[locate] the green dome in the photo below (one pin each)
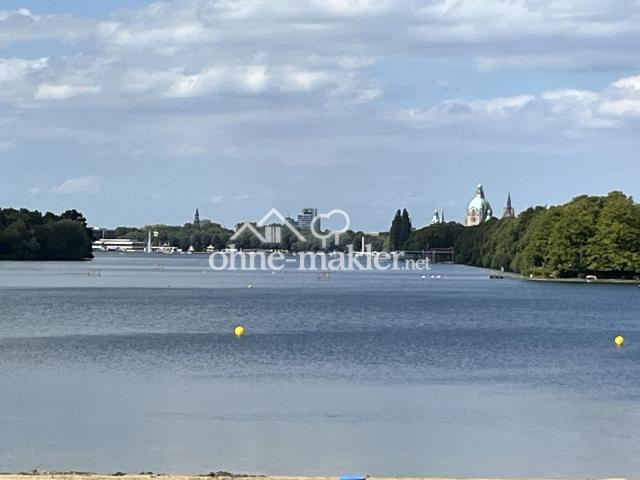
(479, 207)
(480, 204)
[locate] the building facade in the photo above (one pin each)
(306, 218)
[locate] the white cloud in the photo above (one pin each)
(92, 184)
(20, 25)
(13, 69)
(6, 145)
(297, 82)
(622, 108)
(49, 91)
(628, 83)
(185, 49)
(116, 33)
(300, 80)
(353, 7)
(564, 111)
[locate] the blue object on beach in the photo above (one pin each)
(353, 477)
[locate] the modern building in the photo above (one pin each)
(509, 211)
(306, 218)
(118, 245)
(479, 209)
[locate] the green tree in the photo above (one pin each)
(614, 249)
(63, 240)
(395, 232)
(405, 228)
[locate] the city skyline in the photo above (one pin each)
(136, 112)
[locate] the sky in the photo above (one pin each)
(139, 112)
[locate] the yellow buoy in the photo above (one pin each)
(619, 340)
(239, 331)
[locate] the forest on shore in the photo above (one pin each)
(30, 235)
(590, 235)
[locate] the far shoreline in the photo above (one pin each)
(496, 274)
(229, 476)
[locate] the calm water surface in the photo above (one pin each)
(129, 363)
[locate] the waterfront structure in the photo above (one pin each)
(306, 218)
(118, 245)
(509, 211)
(479, 209)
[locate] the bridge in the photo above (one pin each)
(434, 255)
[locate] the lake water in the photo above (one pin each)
(129, 362)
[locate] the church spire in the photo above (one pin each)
(196, 218)
(509, 211)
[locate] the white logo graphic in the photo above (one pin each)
(335, 234)
(272, 233)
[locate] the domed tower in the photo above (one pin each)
(436, 218)
(479, 209)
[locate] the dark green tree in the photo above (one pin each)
(395, 235)
(405, 228)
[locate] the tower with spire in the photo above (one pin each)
(509, 211)
(196, 218)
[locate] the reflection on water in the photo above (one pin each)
(130, 363)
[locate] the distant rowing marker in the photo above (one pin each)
(619, 340)
(239, 331)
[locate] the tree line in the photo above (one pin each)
(590, 235)
(30, 235)
(597, 235)
(197, 234)
(201, 234)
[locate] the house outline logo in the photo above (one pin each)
(272, 234)
(335, 234)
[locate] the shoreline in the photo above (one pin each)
(603, 281)
(231, 476)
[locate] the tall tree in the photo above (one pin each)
(394, 231)
(405, 228)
